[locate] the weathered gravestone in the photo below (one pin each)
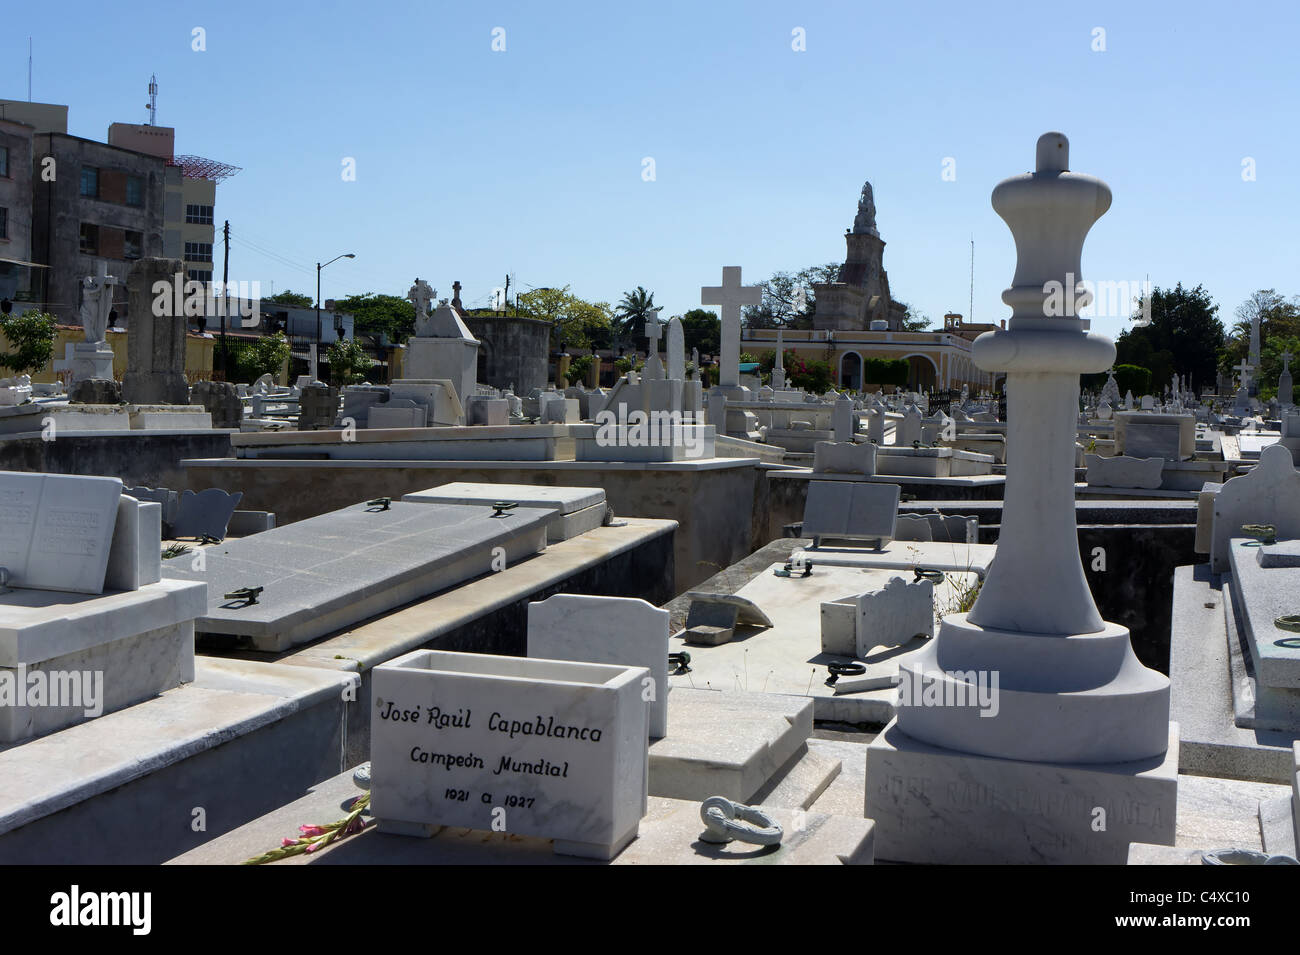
(155, 353)
(850, 511)
(543, 748)
(55, 530)
(618, 630)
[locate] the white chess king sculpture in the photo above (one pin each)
(1039, 734)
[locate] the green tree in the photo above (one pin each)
(885, 371)
(631, 314)
(915, 320)
(789, 299)
(375, 315)
(30, 337)
(288, 297)
(1279, 330)
(348, 361)
(265, 356)
(1184, 337)
(579, 323)
(701, 329)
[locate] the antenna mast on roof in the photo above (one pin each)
(29, 69)
(153, 100)
(972, 280)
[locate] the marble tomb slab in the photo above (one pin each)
(576, 509)
(327, 572)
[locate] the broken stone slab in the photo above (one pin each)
(56, 530)
(206, 513)
(844, 457)
(712, 618)
(1281, 554)
(1123, 471)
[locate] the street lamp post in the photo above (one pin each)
(345, 255)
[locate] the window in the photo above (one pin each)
(4, 223)
(89, 239)
(132, 245)
(90, 182)
(198, 215)
(199, 275)
(134, 191)
(4, 161)
(198, 251)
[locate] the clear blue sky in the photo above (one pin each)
(471, 163)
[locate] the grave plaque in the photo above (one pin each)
(531, 747)
(850, 510)
(1144, 440)
(55, 530)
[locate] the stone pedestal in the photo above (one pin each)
(88, 360)
(221, 401)
(155, 372)
(934, 805)
(317, 407)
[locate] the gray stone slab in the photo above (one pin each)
(56, 530)
(330, 571)
(850, 511)
(1201, 692)
(1265, 594)
(1151, 440)
(205, 514)
(577, 509)
(1281, 554)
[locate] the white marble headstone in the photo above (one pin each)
(619, 630)
(56, 529)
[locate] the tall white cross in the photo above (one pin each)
(654, 366)
(731, 295)
(1245, 368)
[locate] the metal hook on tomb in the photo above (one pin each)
(681, 660)
(926, 573)
(379, 504)
(838, 670)
(499, 508)
(248, 595)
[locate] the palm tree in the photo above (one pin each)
(631, 314)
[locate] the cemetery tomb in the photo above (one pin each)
(556, 748)
(328, 572)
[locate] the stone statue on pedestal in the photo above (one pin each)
(865, 221)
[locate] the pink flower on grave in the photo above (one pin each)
(286, 843)
(355, 826)
(312, 831)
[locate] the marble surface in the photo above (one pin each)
(932, 805)
(56, 530)
(616, 630)
(1124, 471)
(135, 554)
(1263, 595)
(328, 572)
(531, 747)
(576, 509)
(1268, 494)
(726, 743)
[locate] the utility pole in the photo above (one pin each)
(505, 298)
(225, 301)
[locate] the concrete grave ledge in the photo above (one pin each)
(669, 835)
(1201, 691)
(118, 789)
(1264, 594)
(576, 509)
(726, 744)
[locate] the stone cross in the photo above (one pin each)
(420, 295)
(654, 366)
(730, 295)
(1245, 368)
(97, 302)
(1286, 357)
